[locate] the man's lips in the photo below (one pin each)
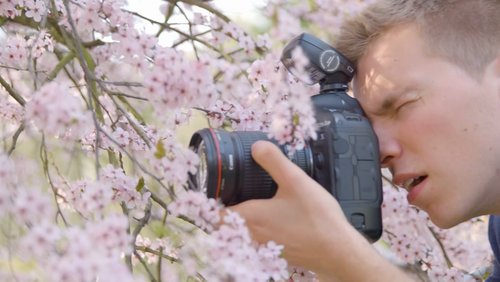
(413, 183)
(415, 190)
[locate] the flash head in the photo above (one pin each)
(326, 64)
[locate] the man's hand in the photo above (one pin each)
(309, 222)
(302, 215)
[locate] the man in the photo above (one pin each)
(428, 78)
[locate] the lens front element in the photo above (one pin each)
(202, 174)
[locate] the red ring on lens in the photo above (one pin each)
(219, 163)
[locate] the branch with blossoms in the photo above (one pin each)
(87, 84)
(96, 181)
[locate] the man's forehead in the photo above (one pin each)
(375, 91)
(371, 81)
(385, 70)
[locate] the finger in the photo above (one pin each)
(271, 159)
(255, 213)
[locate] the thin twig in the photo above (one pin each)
(159, 201)
(14, 139)
(19, 69)
(45, 162)
(183, 40)
(151, 276)
(214, 113)
(155, 252)
(190, 30)
(143, 221)
(121, 83)
(88, 75)
(119, 94)
(128, 257)
(9, 237)
(137, 128)
(136, 162)
(160, 262)
(207, 7)
(443, 250)
(194, 38)
(13, 93)
(168, 14)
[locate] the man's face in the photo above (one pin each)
(438, 127)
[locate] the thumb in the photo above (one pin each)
(272, 160)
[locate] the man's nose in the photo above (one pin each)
(390, 147)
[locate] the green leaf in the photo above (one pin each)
(295, 119)
(160, 150)
(312, 5)
(2, 21)
(112, 158)
(140, 185)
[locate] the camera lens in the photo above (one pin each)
(202, 174)
(227, 171)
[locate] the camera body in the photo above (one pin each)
(344, 159)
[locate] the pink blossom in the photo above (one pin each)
(88, 198)
(40, 43)
(172, 160)
(124, 190)
(111, 236)
(41, 240)
(157, 244)
(13, 51)
(173, 81)
(35, 10)
(9, 111)
(195, 205)
(299, 274)
(65, 118)
(31, 206)
(233, 255)
(9, 8)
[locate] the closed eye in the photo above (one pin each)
(403, 105)
(406, 105)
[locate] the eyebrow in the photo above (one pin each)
(389, 101)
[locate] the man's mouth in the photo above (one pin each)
(412, 182)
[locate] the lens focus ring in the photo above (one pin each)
(256, 183)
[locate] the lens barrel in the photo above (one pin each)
(227, 170)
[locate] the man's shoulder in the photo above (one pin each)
(494, 233)
(494, 236)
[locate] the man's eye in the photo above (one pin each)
(405, 105)
(402, 106)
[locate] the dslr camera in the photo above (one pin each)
(344, 159)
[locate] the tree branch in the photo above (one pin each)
(13, 93)
(14, 139)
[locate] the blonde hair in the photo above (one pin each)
(465, 32)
